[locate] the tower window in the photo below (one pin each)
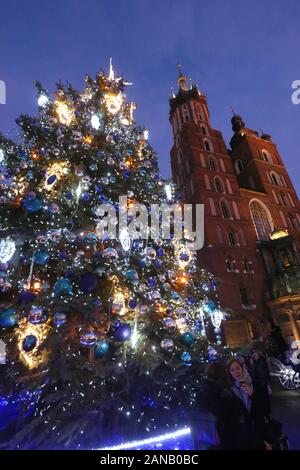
(232, 238)
(262, 220)
(267, 156)
(219, 185)
(244, 295)
(213, 164)
(293, 222)
(247, 265)
(185, 112)
(204, 130)
(208, 146)
(225, 210)
(275, 179)
(230, 264)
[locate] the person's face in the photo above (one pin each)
(236, 371)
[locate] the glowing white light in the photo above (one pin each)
(150, 440)
(7, 249)
(113, 102)
(125, 239)
(78, 192)
(43, 100)
(168, 191)
(95, 121)
(216, 318)
(146, 134)
(2, 156)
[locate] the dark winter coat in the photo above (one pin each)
(235, 424)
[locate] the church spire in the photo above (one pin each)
(182, 79)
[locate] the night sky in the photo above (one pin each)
(242, 54)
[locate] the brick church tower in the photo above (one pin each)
(252, 216)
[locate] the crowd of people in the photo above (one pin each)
(234, 400)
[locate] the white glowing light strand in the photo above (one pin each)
(7, 249)
(203, 331)
(2, 156)
(146, 134)
(151, 440)
(78, 192)
(30, 272)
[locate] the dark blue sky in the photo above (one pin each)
(243, 54)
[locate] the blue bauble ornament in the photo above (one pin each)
(129, 152)
(91, 238)
(101, 349)
(187, 338)
(8, 318)
(209, 306)
(184, 256)
(85, 197)
(152, 282)
(160, 252)
(88, 339)
(98, 188)
(69, 195)
(29, 343)
(41, 258)
(63, 287)
(26, 297)
(175, 295)
(186, 357)
(131, 275)
(126, 174)
(157, 263)
(51, 179)
(122, 331)
(132, 303)
(32, 205)
(37, 316)
(191, 300)
(88, 282)
(59, 318)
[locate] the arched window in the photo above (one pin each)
(238, 166)
(213, 164)
(204, 129)
(284, 199)
(208, 146)
(245, 295)
(275, 179)
(262, 219)
(266, 156)
(225, 209)
(219, 185)
(247, 265)
(230, 264)
(233, 238)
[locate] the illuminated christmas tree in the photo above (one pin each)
(99, 328)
